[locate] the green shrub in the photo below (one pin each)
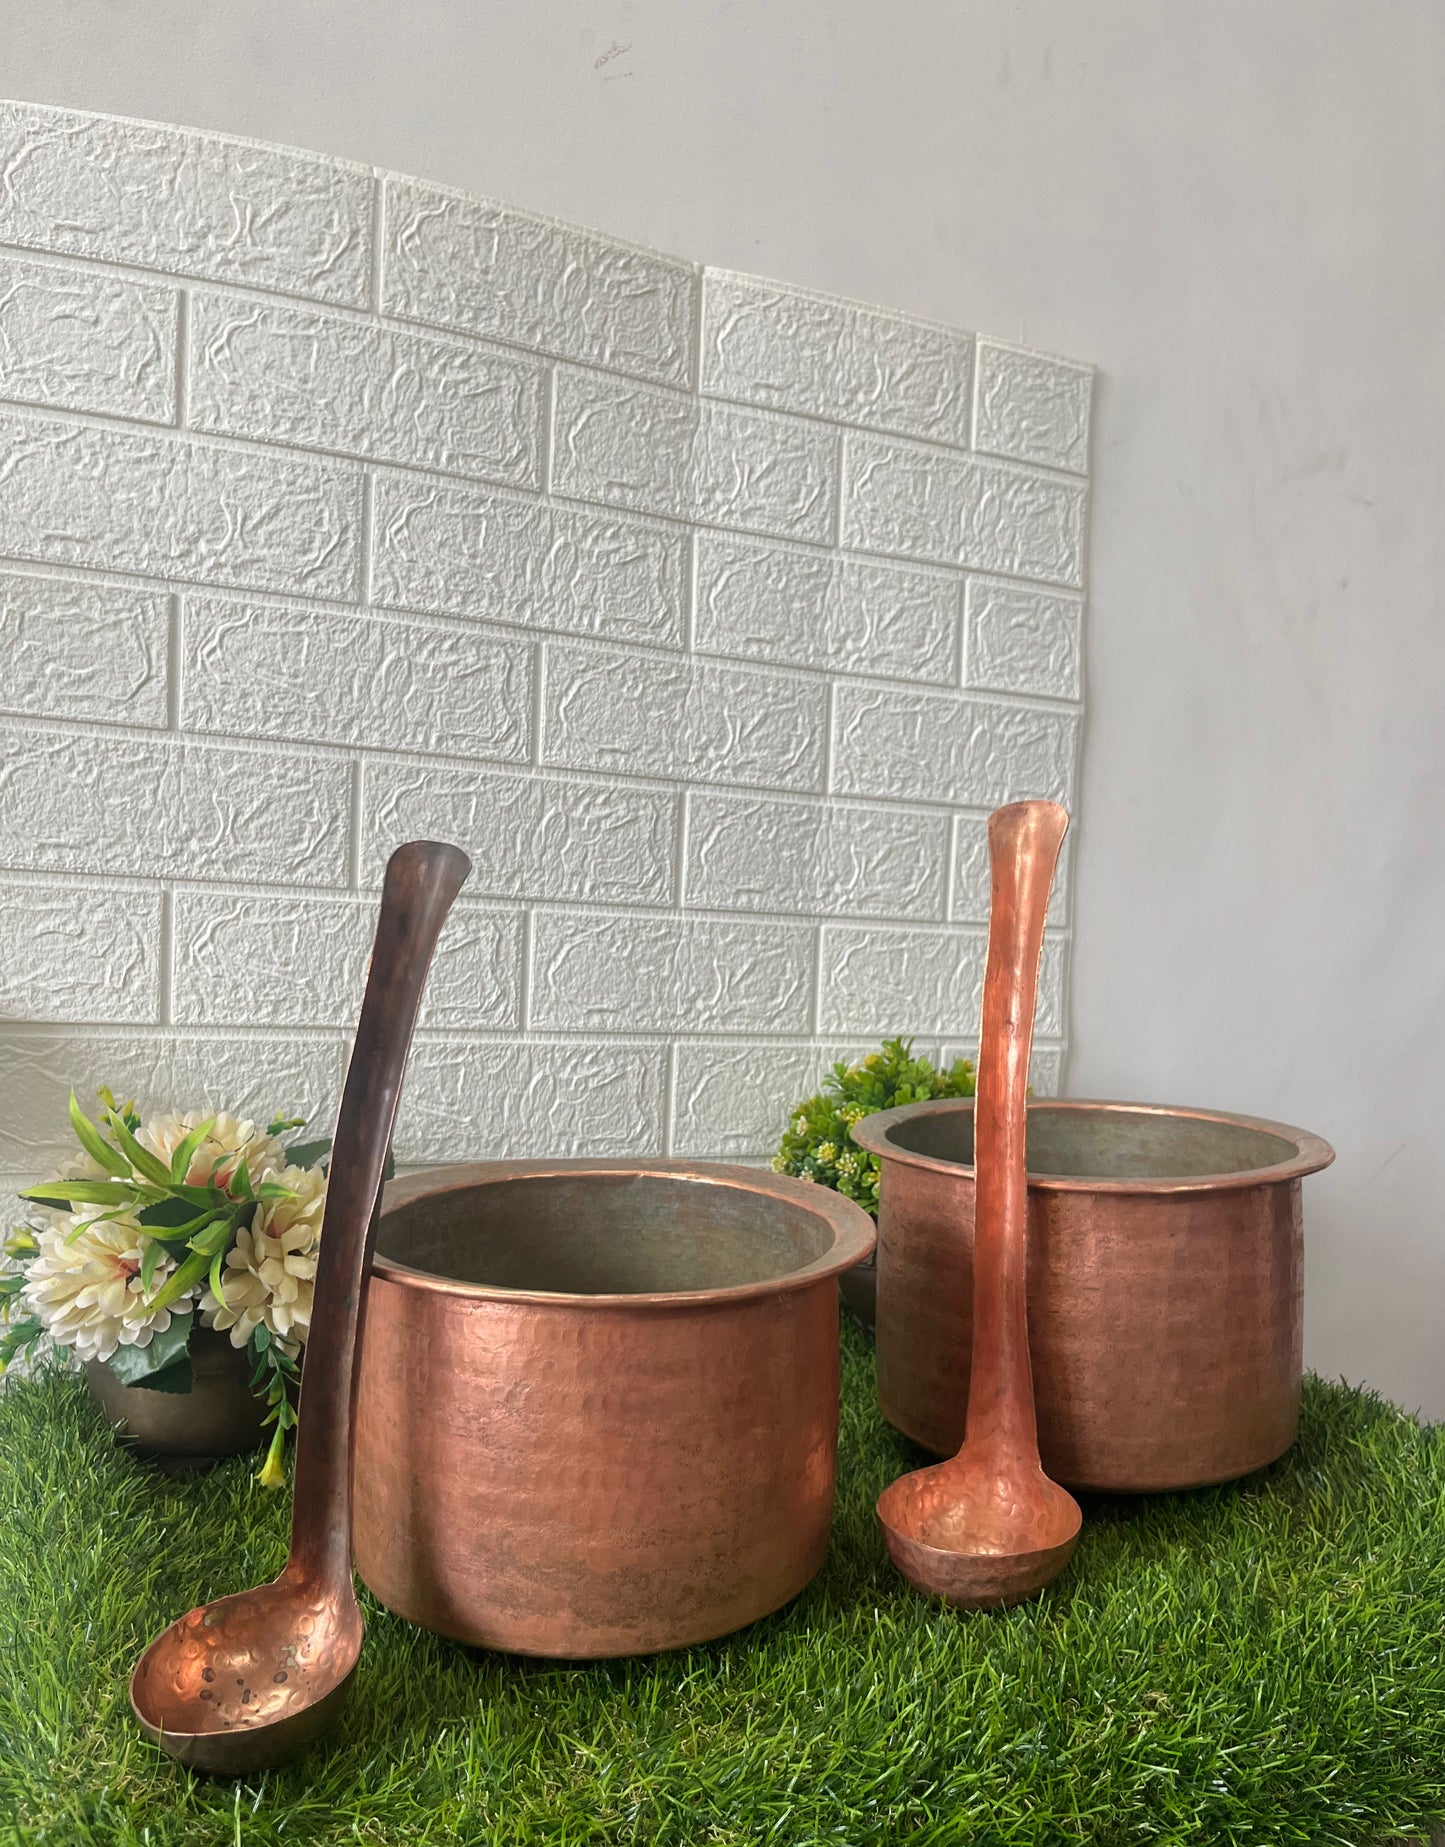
(818, 1142)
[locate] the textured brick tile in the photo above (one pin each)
(751, 853)
(971, 874)
(252, 1075)
(909, 981)
(733, 1100)
(129, 500)
(295, 375)
(263, 670)
(789, 350)
(1033, 408)
(940, 747)
(1023, 641)
(194, 204)
(816, 609)
(629, 446)
(85, 341)
(882, 982)
(665, 974)
(486, 269)
(78, 952)
(537, 837)
(314, 953)
(495, 557)
(607, 710)
(914, 503)
(486, 1100)
(74, 650)
(131, 804)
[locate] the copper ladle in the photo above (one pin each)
(988, 1527)
(244, 1682)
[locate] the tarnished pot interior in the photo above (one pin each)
(1165, 1276)
(599, 1401)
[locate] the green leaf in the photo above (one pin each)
(240, 1187)
(278, 1125)
(141, 1159)
(94, 1143)
(173, 1214)
(308, 1154)
(272, 1189)
(150, 1257)
(185, 1153)
(68, 1193)
(183, 1278)
(216, 1277)
(177, 1377)
(135, 1365)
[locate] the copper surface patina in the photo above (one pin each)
(239, 1684)
(988, 1527)
(598, 1410)
(1165, 1275)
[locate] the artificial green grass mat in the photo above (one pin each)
(1257, 1663)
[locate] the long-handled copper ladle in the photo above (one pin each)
(988, 1527)
(244, 1682)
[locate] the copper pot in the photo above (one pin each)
(1164, 1285)
(598, 1405)
(218, 1416)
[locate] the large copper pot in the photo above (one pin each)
(598, 1405)
(1164, 1285)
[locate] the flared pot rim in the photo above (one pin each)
(852, 1231)
(875, 1134)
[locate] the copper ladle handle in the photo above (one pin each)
(1023, 843)
(422, 879)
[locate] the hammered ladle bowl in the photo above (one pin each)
(242, 1683)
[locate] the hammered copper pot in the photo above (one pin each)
(598, 1405)
(1164, 1285)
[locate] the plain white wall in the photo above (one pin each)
(1235, 210)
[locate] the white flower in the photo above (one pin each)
(271, 1269)
(85, 1286)
(230, 1141)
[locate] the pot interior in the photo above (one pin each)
(1107, 1144)
(603, 1234)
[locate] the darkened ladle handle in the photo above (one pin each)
(1023, 844)
(422, 879)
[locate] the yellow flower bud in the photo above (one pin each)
(272, 1474)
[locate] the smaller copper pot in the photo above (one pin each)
(219, 1416)
(1165, 1285)
(598, 1403)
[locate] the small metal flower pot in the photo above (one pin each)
(598, 1406)
(219, 1416)
(1165, 1280)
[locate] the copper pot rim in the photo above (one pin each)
(854, 1233)
(1312, 1152)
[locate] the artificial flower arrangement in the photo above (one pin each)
(165, 1225)
(818, 1142)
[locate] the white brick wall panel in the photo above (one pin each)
(482, 1100)
(882, 982)
(1032, 408)
(266, 670)
(191, 204)
(790, 350)
(665, 974)
(486, 269)
(528, 837)
(88, 651)
(129, 500)
(314, 952)
(914, 503)
(817, 609)
(941, 747)
(1023, 641)
(971, 874)
(85, 341)
(298, 376)
(498, 558)
(150, 807)
(644, 713)
(79, 952)
(252, 1075)
(626, 445)
(598, 559)
(748, 853)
